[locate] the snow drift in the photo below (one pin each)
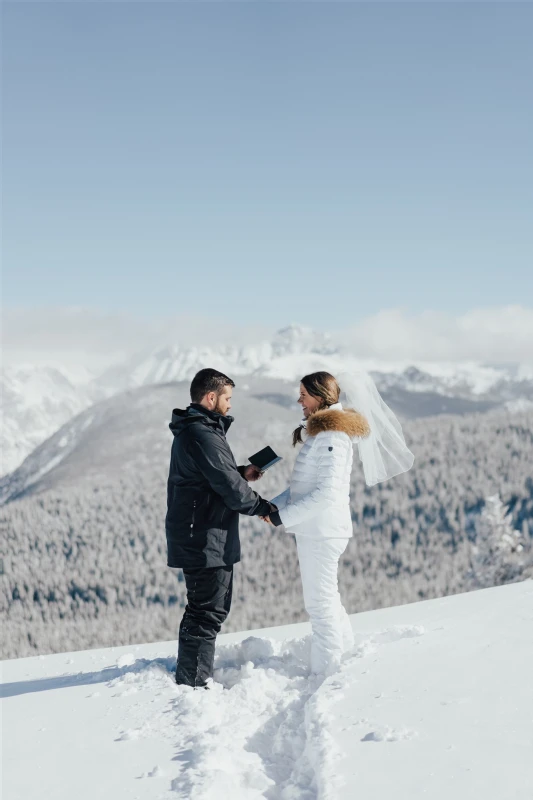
(435, 700)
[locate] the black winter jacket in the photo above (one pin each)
(206, 492)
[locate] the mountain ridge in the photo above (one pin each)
(39, 400)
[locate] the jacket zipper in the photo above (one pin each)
(193, 515)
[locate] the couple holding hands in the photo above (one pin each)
(207, 491)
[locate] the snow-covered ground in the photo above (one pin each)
(435, 701)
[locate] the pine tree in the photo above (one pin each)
(496, 553)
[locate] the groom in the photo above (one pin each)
(206, 493)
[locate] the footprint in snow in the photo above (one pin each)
(398, 632)
(388, 735)
(156, 772)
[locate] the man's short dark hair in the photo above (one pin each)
(208, 380)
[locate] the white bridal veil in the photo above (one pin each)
(384, 452)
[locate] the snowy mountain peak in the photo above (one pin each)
(299, 339)
(38, 400)
(177, 362)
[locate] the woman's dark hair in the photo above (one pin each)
(208, 380)
(325, 388)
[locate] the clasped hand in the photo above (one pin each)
(267, 518)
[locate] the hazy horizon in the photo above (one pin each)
(93, 340)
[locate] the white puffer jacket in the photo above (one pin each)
(317, 501)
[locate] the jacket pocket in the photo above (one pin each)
(203, 515)
(193, 519)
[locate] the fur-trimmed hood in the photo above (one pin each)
(346, 420)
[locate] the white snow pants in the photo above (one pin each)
(332, 632)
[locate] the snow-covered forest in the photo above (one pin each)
(87, 567)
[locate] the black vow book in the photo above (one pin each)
(264, 459)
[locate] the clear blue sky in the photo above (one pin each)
(313, 162)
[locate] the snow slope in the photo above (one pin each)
(435, 700)
(36, 401)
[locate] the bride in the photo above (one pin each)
(316, 504)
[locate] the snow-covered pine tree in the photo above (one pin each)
(496, 552)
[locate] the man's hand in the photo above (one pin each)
(252, 473)
(267, 518)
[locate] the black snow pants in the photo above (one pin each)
(208, 604)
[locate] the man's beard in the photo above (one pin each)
(218, 409)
